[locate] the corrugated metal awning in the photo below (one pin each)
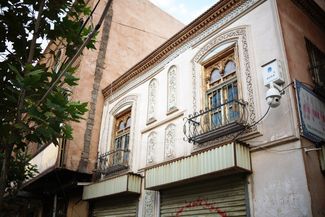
(127, 183)
(232, 157)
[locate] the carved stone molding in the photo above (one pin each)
(172, 89)
(149, 203)
(152, 99)
(128, 100)
(170, 140)
(151, 148)
(238, 35)
(131, 101)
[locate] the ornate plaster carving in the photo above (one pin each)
(239, 35)
(128, 100)
(172, 89)
(152, 99)
(151, 149)
(149, 203)
(170, 140)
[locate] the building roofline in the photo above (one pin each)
(201, 23)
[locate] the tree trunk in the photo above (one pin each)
(4, 171)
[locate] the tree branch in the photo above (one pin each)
(37, 23)
(74, 58)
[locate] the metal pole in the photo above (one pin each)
(55, 199)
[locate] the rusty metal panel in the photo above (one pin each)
(243, 157)
(116, 185)
(134, 183)
(218, 197)
(207, 162)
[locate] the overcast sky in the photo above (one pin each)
(184, 10)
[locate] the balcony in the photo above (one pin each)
(113, 161)
(216, 122)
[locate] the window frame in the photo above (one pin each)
(220, 61)
(120, 133)
(316, 59)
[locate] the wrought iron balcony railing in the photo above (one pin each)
(216, 122)
(113, 161)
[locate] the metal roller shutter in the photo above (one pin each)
(122, 207)
(220, 197)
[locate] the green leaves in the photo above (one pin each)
(23, 119)
(70, 79)
(20, 169)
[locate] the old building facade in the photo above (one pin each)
(188, 131)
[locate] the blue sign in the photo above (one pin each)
(311, 113)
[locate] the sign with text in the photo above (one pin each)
(311, 113)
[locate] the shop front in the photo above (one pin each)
(208, 183)
(117, 196)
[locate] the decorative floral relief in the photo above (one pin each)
(149, 203)
(152, 141)
(171, 101)
(153, 86)
(170, 138)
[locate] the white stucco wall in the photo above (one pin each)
(279, 183)
(278, 186)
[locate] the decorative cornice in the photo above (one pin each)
(215, 13)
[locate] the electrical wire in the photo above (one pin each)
(267, 111)
(90, 15)
(283, 89)
(264, 148)
(74, 58)
(285, 151)
(252, 125)
(82, 27)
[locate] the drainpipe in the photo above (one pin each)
(55, 199)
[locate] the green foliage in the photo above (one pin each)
(20, 170)
(24, 80)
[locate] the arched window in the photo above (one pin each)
(128, 122)
(230, 67)
(222, 90)
(152, 100)
(121, 126)
(172, 89)
(215, 75)
(170, 140)
(120, 148)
